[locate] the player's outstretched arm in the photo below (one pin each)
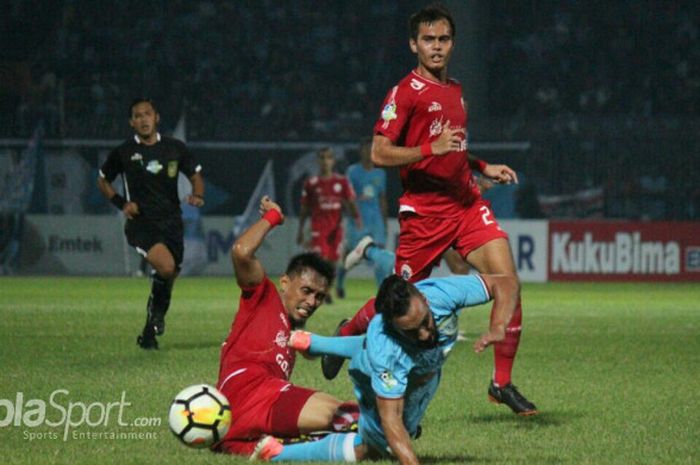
(249, 270)
(391, 414)
(505, 290)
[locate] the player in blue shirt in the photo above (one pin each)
(369, 184)
(396, 367)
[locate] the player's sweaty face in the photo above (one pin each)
(418, 324)
(303, 294)
(144, 119)
(434, 45)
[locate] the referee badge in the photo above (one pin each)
(172, 168)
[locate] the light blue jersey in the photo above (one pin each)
(391, 368)
(369, 186)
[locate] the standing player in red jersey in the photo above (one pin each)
(256, 363)
(324, 197)
(423, 130)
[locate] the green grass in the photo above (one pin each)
(613, 368)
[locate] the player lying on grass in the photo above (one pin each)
(256, 362)
(396, 367)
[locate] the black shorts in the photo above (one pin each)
(144, 234)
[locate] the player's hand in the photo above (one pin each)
(195, 200)
(486, 339)
(450, 140)
(483, 183)
(267, 204)
(130, 210)
(502, 174)
(299, 340)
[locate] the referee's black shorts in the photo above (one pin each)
(142, 234)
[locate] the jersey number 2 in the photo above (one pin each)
(485, 215)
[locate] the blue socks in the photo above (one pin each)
(344, 347)
(337, 447)
(383, 261)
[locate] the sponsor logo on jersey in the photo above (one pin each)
(172, 168)
(416, 84)
(154, 167)
(388, 380)
(435, 106)
(137, 157)
(389, 112)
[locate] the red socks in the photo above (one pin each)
(359, 323)
(504, 351)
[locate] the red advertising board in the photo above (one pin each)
(624, 251)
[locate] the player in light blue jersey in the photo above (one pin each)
(369, 184)
(396, 367)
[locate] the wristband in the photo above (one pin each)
(426, 150)
(273, 216)
(118, 201)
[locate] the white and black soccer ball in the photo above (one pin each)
(199, 416)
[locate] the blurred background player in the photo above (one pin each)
(324, 197)
(149, 164)
(369, 184)
(423, 130)
(396, 368)
(256, 362)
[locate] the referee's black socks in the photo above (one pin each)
(161, 290)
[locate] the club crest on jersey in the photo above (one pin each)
(337, 187)
(389, 112)
(388, 380)
(281, 339)
(436, 127)
(172, 168)
(416, 84)
(434, 106)
(154, 167)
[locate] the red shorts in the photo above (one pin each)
(327, 243)
(423, 239)
(260, 404)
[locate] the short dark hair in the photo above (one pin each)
(430, 14)
(394, 297)
(323, 150)
(138, 100)
(313, 261)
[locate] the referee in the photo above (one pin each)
(149, 164)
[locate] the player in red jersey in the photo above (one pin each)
(256, 363)
(323, 198)
(423, 130)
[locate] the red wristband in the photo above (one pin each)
(426, 150)
(273, 216)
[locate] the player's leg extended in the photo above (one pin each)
(336, 447)
(495, 257)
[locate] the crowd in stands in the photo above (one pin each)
(297, 70)
(577, 78)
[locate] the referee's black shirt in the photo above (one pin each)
(150, 174)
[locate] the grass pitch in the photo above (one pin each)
(613, 368)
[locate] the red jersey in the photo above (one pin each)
(259, 334)
(414, 112)
(324, 196)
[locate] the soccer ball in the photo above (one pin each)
(199, 416)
